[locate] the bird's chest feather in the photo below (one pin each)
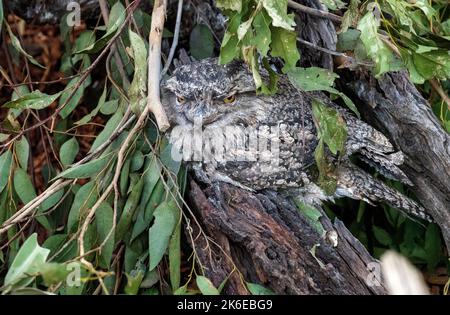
(270, 152)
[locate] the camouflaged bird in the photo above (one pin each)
(211, 100)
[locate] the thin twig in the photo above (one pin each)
(105, 14)
(83, 77)
(33, 204)
(43, 82)
(314, 12)
(176, 35)
(121, 157)
(323, 49)
(438, 88)
(154, 64)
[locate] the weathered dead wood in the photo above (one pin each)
(271, 243)
(393, 104)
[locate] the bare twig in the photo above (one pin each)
(314, 12)
(118, 60)
(154, 64)
(121, 157)
(438, 88)
(325, 50)
(83, 77)
(176, 35)
(29, 207)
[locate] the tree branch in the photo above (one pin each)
(154, 64)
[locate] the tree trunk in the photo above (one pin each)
(269, 242)
(393, 105)
(264, 239)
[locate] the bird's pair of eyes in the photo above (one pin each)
(227, 100)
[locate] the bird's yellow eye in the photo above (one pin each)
(181, 99)
(229, 99)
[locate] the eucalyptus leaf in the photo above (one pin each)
(16, 44)
(166, 215)
(201, 42)
(110, 126)
(5, 168)
(104, 223)
(86, 170)
(116, 19)
(138, 89)
(22, 148)
(33, 100)
(206, 286)
(257, 289)
(27, 262)
(69, 151)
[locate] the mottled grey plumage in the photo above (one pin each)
(220, 96)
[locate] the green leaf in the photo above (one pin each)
(312, 214)
(382, 236)
(104, 223)
(325, 180)
(426, 8)
(284, 45)
(109, 107)
(201, 42)
(401, 13)
(333, 4)
(433, 246)
(277, 9)
(235, 5)
(86, 170)
(166, 215)
(5, 168)
(110, 126)
(128, 212)
(52, 200)
(116, 19)
(23, 186)
(53, 273)
(175, 257)
(69, 151)
(351, 16)
(85, 198)
(28, 261)
(376, 49)
(257, 289)
(331, 126)
(263, 36)
(137, 161)
(206, 286)
(348, 40)
(16, 44)
(85, 39)
(318, 79)
(87, 118)
(167, 159)
(229, 48)
(73, 102)
(138, 89)
(312, 78)
(25, 191)
(22, 151)
(3, 136)
(133, 283)
(33, 100)
(1, 15)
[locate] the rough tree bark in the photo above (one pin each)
(270, 242)
(263, 238)
(393, 104)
